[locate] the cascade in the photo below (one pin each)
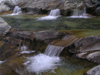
(54, 14)
(52, 50)
(79, 13)
(44, 62)
(16, 11)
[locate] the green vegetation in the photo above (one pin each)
(82, 32)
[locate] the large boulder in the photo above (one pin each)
(86, 44)
(94, 71)
(3, 7)
(44, 6)
(92, 7)
(4, 27)
(87, 48)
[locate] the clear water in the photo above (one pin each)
(61, 23)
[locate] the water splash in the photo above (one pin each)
(1, 62)
(54, 14)
(44, 62)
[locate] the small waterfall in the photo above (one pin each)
(44, 62)
(16, 11)
(52, 50)
(80, 13)
(54, 14)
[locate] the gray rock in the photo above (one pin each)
(91, 56)
(97, 11)
(92, 7)
(87, 48)
(86, 44)
(3, 8)
(23, 34)
(44, 6)
(4, 27)
(94, 71)
(47, 35)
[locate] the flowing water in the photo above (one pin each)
(54, 14)
(44, 62)
(16, 11)
(49, 63)
(79, 13)
(52, 50)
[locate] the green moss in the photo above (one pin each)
(82, 32)
(71, 24)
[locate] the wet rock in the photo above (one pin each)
(92, 7)
(94, 71)
(15, 66)
(44, 6)
(12, 66)
(22, 34)
(66, 12)
(97, 11)
(65, 41)
(87, 48)
(13, 41)
(86, 44)
(4, 27)
(1, 43)
(28, 10)
(91, 56)
(8, 50)
(47, 35)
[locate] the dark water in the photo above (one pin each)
(72, 66)
(62, 23)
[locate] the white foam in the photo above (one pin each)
(26, 52)
(48, 18)
(79, 16)
(42, 63)
(1, 62)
